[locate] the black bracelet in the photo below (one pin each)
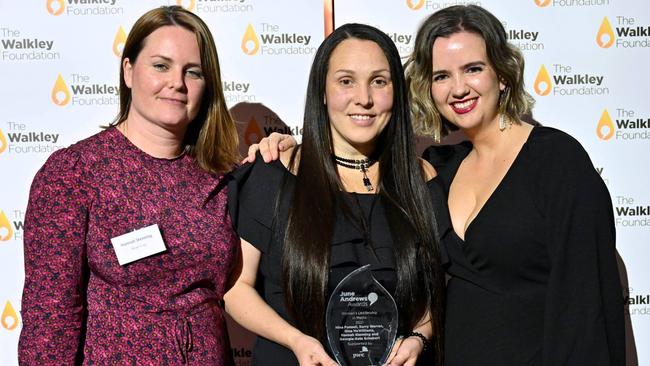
(425, 341)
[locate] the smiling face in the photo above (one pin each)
(166, 80)
(465, 88)
(358, 95)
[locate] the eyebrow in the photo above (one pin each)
(374, 72)
(191, 64)
(469, 64)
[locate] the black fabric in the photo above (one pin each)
(260, 219)
(535, 282)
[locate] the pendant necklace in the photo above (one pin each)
(361, 164)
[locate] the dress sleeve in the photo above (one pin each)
(254, 191)
(583, 322)
(54, 296)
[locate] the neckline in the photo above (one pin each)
(497, 189)
(123, 140)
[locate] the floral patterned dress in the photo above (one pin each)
(80, 306)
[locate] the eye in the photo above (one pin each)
(160, 66)
(474, 69)
(195, 73)
(381, 82)
(345, 81)
(439, 77)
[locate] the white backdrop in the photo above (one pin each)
(59, 64)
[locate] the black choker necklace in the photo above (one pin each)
(362, 165)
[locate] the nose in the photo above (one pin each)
(363, 96)
(177, 79)
(459, 87)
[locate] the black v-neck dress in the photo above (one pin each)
(535, 282)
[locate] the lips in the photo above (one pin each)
(176, 101)
(362, 119)
(464, 106)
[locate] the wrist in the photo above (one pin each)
(424, 341)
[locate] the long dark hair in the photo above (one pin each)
(318, 193)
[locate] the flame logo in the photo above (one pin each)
(118, 43)
(60, 87)
(190, 7)
(605, 36)
(253, 133)
(58, 7)
(250, 36)
(542, 3)
(414, 6)
(543, 82)
(9, 318)
(5, 227)
(3, 142)
(605, 123)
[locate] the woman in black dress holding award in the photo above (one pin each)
(352, 194)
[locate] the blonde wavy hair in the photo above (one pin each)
(505, 58)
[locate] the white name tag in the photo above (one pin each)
(138, 244)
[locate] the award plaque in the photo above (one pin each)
(361, 320)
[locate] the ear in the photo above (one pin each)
(502, 85)
(324, 99)
(127, 69)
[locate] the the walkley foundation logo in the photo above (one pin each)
(564, 81)
(238, 92)
(18, 47)
(9, 317)
(524, 39)
(629, 213)
(402, 42)
(6, 231)
(627, 34)
(84, 92)
(18, 138)
(627, 125)
(217, 6)
(253, 133)
(3, 142)
(84, 7)
(119, 41)
(570, 3)
(437, 4)
(272, 41)
(637, 303)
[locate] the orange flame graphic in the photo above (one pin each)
(118, 43)
(542, 3)
(60, 5)
(190, 7)
(414, 6)
(3, 142)
(543, 82)
(605, 36)
(9, 317)
(6, 232)
(60, 87)
(253, 133)
(250, 36)
(605, 123)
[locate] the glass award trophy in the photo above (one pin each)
(361, 320)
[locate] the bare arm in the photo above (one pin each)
(247, 307)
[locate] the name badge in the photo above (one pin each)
(138, 244)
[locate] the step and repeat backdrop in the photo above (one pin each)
(585, 66)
